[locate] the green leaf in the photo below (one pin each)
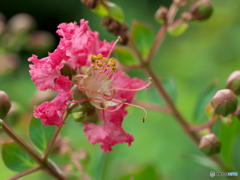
(39, 134)
(16, 158)
(176, 31)
(202, 161)
(115, 11)
(1, 122)
(143, 36)
(205, 96)
(100, 10)
(227, 135)
(125, 56)
(170, 86)
(146, 173)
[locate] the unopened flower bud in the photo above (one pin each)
(66, 70)
(186, 16)
(224, 102)
(210, 144)
(9, 62)
(21, 21)
(160, 14)
(177, 27)
(201, 10)
(5, 104)
(233, 82)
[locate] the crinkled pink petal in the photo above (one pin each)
(108, 134)
(51, 112)
(79, 42)
(45, 70)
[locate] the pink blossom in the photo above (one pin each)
(80, 42)
(51, 112)
(110, 132)
(45, 70)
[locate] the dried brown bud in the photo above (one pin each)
(114, 27)
(5, 104)
(233, 82)
(91, 4)
(161, 14)
(224, 102)
(106, 21)
(201, 10)
(210, 144)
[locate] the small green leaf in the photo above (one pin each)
(115, 11)
(125, 56)
(39, 134)
(202, 161)
(100, 10)
(177, 31)
(16, 158)
(143, 36)
(227, 135)
(1, 122)
(205, 96)
(147, 173)
(170, 86)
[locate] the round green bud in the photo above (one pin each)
(5, 104)
(201, 10)
(210, 144)
(233, 82)
(161, 14)
(224, 102)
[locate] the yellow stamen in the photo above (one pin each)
(105, 108)
(100, 64)
(110, 64)
(107, 68)
(113, 60)
(100, 56)
(92, 66)
(104, 59)
(100, 72)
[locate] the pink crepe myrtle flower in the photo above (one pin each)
(102, 86)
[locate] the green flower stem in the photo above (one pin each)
(21, 174)
(30, 151)
(159, 38)
(207, 124)
(54, 137)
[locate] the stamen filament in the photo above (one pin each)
(134, 106)
(108, 99)
(144, 87)
(115, 108)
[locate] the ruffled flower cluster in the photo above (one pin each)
(107, 89)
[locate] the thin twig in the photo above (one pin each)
(76, 162)
(205, 125)
(33, 154)
(54, 137)
(21, 174)
(159, 37)
(153, 107)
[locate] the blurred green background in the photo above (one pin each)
(207, 51)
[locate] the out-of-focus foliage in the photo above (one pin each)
(206, 51)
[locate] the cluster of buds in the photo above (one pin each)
(116, 28)
(225, 101)
(210, 144)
